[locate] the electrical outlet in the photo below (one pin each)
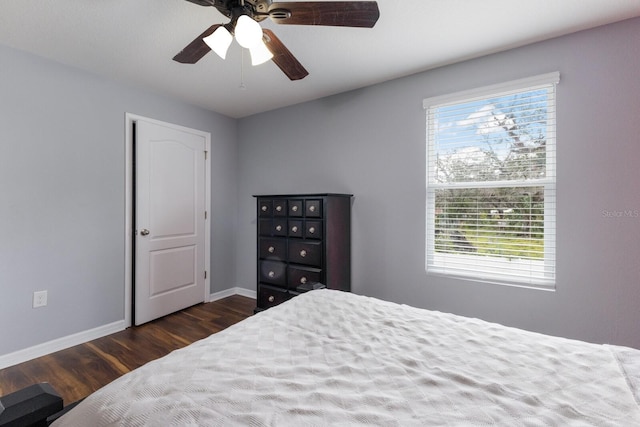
(39, 299)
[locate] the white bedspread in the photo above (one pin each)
(334, 358)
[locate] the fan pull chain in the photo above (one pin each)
(242, 86)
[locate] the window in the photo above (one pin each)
(491, 183)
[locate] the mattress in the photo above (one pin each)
(335, 358)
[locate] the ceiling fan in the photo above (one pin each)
(262, 43)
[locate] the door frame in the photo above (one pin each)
(128, 208)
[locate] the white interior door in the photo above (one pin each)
(169, 220)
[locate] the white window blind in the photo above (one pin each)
(491, 183)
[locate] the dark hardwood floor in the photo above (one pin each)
(78, 371)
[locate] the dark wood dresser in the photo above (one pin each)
(303, 239)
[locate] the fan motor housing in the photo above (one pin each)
(257, 9)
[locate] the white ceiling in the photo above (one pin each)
(134, 41)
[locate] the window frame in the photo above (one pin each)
(548, 280)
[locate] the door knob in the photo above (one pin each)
(144, 232)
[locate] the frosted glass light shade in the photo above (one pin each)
(219, 41)
(260, 54)
(248, 32)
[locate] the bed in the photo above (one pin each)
(335, 358)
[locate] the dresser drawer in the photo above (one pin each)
(273, 227)
(296, 208)
(269, 296)
(301, 275)
(296, 228)
(305, 252)
(279, 207)
(265, 207)
(313, 208)
(313, 229)
(273, 249)
(273, 272)
(279, 227)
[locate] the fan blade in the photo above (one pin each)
(283, 58)
(195, 50)
(335, 13)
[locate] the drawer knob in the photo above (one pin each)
(271, 298)
(312, 230)
(294, 208)
(279, 208)
(294, 229)
(271, 249)
(264, 208)
(312, 208)
(278, 228)
(303, 253)
(271, 274)
(303, 280)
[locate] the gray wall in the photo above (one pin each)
(371, 143)
(62, 185)
(62, 188)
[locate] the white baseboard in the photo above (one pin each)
(43, 349)
(232, 291)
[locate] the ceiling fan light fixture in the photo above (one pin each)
(247, 15)
(219, 41)
(260, 54)
(248, 32)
